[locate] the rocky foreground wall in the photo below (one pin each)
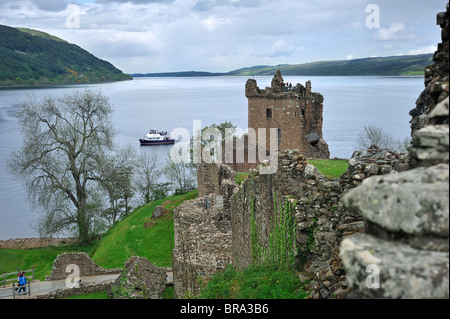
(405, 251)
(436, 80)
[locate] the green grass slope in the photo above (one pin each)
(31, 57)
(130, 237)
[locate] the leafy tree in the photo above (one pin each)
(208, 136)
(65, 140)
(160, 192)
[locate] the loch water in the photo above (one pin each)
(350, 104)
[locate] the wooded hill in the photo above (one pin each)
(31, 57)
(394, 65)
(383, 66)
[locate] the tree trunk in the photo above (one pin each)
(83, 226)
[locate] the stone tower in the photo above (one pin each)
(295, 112)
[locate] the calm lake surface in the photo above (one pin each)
(167, 103)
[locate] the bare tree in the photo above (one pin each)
(116, 180)
(182, 175)
(148, 173)
(64, 141)
(375, 136)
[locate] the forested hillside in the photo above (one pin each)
(383, 66)
(31, 57)
(394, 65)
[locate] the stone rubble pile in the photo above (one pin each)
(140, 280)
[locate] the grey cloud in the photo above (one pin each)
(51, 5)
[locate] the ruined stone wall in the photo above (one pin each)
(28, 243)
(210, 234)
(86, 265)
(436, 79)
(241, 149)
(84, 288)
(138, 273)
(141, 280)
(397, 221)
(321, 219)
(203, 230)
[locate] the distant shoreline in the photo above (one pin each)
(232, 75)
(404, 65)
(54, 85)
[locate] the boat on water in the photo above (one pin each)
(154, 137)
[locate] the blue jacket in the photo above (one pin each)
(22, 280)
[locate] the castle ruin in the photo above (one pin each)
(295, 112)
(386, 217)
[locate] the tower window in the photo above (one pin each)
(269, 113)
(279, 134)
(303, 113)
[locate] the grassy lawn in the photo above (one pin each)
(332, 168)
(41, 258)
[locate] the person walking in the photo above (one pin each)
(22, 283)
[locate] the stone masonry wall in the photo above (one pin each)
(295, 113)
(141, 280)
(83, 261)
(27, 243)
(84, 288)
(138, 273)
(322, 220)
(436, 80)
(203, 230)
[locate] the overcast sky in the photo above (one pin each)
(141, 36)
